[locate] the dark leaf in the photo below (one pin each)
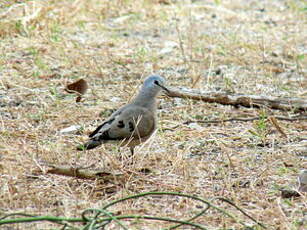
(78, 87)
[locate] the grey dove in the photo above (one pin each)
(133, 123)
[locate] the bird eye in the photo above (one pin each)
(156, 82)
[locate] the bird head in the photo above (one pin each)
(155, 82)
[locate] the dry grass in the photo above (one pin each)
(252, 47)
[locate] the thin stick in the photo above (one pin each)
(296, 118)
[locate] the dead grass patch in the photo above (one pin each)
(250, 48)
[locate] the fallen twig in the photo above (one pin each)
(82, 173)
(273, 120)
(257, 101)
(296, 118)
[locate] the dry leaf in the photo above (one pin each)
(78, 87)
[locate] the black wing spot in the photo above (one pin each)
(131, 127)
(121, 124)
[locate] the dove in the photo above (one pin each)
(133, 123)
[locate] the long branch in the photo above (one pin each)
(258, 101)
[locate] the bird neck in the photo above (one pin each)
(146, 98)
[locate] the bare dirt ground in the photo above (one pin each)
(240, 46)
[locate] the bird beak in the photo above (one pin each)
(163, 87)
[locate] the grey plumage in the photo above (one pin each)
(133, 123)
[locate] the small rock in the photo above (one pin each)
(195, 126)
(115, 99)
(71, 129)
(168, 47)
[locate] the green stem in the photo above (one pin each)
(39, 218)
(241, 210)
(157, 218)
(102, 217)
(59, 219)
(156, 193)
(189, 220)
(99, 212)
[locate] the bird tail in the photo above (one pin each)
(89, 145)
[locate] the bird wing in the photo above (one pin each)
(131, 121)
(106, 124)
